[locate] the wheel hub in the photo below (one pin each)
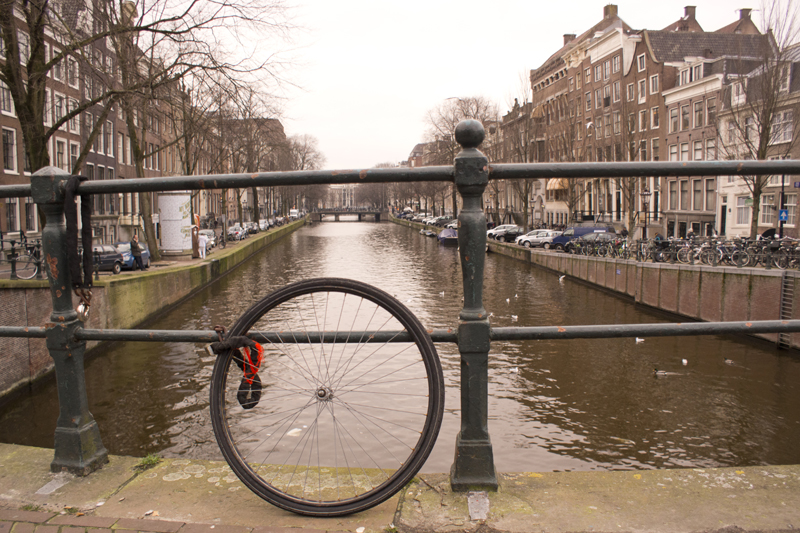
(324, 394)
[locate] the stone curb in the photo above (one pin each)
(16, 521)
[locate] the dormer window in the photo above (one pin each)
(738, 93)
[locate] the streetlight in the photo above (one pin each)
(645, 194)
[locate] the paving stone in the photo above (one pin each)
(83, 521)
(286, 530)
(46, 529)
(68, 529)
(5, 527)
(17, 515)
(155, 526)
(205, 528)
(24, 527)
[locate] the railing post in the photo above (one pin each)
(473, 468)
(78, 447)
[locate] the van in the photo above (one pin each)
(294, 214)
(573, 232)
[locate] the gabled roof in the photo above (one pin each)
(744, 25)
(671, 46)
(686, 23)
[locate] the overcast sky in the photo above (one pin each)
(370, 69)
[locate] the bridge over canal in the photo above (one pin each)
(375, 214)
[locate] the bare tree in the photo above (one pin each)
(759, 117)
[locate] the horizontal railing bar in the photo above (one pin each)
(603, 331)
(610, 331)
(642, 169)
(433, 173)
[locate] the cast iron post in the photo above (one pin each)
(473, 468)
(78, 447)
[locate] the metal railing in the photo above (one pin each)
(78, 447)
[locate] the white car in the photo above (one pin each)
(542, 239)
(533, 233)
(499, 229)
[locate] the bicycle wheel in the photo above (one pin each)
(780, 259)
(26, 266)
(342, 420)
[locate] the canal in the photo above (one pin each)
(554, 405)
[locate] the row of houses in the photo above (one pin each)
(676, 94)
(161, 120)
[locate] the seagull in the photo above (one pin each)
(490, 315)
(514, 318)
(685, 362)
(728, 361)
(639, 341)
(659, 373)
(516, 296)
(508, 300)
(441, 294)
(561, 279)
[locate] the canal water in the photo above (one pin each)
(554, 405)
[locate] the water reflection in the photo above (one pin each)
(554, 405)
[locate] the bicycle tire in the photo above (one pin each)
(331, 406)
(26, 266)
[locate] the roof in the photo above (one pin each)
(670, 46)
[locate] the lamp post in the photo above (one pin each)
(645, 194)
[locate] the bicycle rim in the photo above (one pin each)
(26, 267)
(342, 423)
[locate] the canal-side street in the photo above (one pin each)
(196, 496)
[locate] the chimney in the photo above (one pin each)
(568, 37)
(689, 12)
(744, 14)
(610, 11)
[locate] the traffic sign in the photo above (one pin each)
(797, 184)
(783, 215)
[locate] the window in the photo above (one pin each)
(588, 101)
(697, 72)
(58, 68)
(631, 123)
(128, 151)
(685, 195)
(711, 149)
(673, 195)
(571, 84)
(6, 101)
(578, 80)
(767, 209)
(654, 124)
(684, 78)
(711, 195)
(615, 64)
(598, 73)
(11, 214)
(673, 120)
(598, 101)
(673, 152)
(739, 95)
(74, 121)
(9, 150)
(685, 117)
(640, 65)
(30, 214)
(781, 127)
(654, 151)
(109, 65)
(59, 108)
(616, 91)
(588, 74)
(750, 129)
(121, 148)
(698, 151)
(72, 73)
(61, 154)
(24, 47)
(684, 151)
(742, 210)
(606, 96)
(791, 207)
(697, 195)
(642, 150)
(642, 91)
(631, 94)
(617, 123)
(711, 111)
(606, 70)
(607, 125)
(654, 84)
(87, 87)
(74, 150)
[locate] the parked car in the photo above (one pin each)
(251, 228)
(573, 232)
(452, 225)
(128, 263)
(263, 224)
(107, 258)
(501, 228)
(540, 239)
(506, 233)
(211, 236)
(236, 233)
(523, 237)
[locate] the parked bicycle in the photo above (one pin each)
(23, 255)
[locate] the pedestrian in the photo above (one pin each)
(202, 243)
(136, 252)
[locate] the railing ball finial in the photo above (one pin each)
(470, 133)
